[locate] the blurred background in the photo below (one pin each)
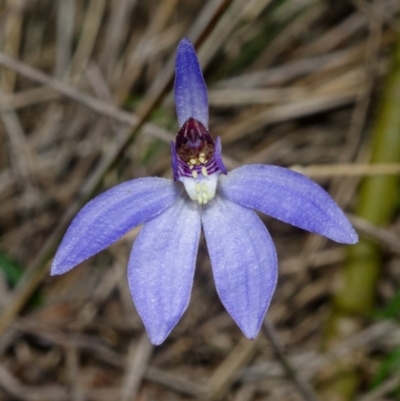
(86, 103)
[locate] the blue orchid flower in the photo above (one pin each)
(202, 195)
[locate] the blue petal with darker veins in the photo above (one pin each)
(111, 215)
(290, 197)
(190, 90)
(243, 260)
(161, 267)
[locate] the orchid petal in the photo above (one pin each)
(218, 156)
(190, 89)
(161, 267)
(243, 260)
(290, 197)
(111, 215)
(174, 161)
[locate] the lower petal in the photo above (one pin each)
(243, 260)
(161, 267)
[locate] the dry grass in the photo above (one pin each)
(85, 103)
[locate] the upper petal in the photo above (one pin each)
(111, 215)
(161, 267)
(190, 90)
(243, 260)
(290, 197)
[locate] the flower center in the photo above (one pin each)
(194, 143)
(194, 161)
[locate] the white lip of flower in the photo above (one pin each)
(196, 161)
(201, 188)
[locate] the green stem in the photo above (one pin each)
(377, 203)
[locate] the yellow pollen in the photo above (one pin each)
(192, 161)
(194, 174)
(202, 159)
(205, 196)
(205, 201)
(191, 166)
(204, 171)
(202, 154)
(199, 199)
(198, 188)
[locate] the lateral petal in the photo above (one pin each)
(111, 215)
(290, 197)
(190, 90)
(161, 267)
(243, 260)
